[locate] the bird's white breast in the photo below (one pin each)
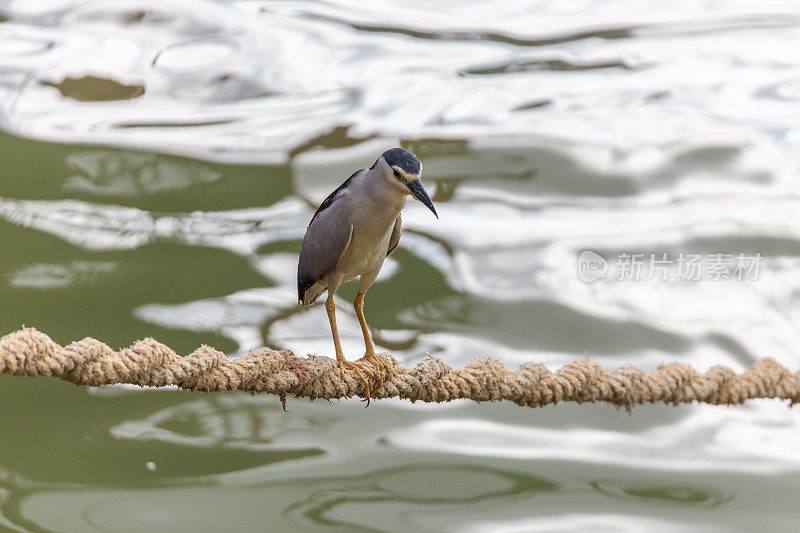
(373, 222)
(366, 252)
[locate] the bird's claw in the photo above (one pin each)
(360, 371)
(383, 372)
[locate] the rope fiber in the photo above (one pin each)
(28, 352)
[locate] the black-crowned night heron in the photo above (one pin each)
(354, 229)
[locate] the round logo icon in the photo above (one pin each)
(591, 266)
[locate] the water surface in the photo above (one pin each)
(160, 161)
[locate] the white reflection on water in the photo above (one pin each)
(610, 523)
(270, 76)
(50, 276)
(510, 255)
(445, 468)
(707, 438)
(107, 173)
(227, 423)
(116, 227)
(545, 129)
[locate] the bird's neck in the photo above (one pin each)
(388, 199)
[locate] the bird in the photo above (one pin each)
(351, 234)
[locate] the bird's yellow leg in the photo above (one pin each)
(330, 307)
(358, 304)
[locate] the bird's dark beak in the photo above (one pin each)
(419, 193)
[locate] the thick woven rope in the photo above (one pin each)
(29, 352)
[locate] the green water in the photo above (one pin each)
(159, 164)
(129, 460)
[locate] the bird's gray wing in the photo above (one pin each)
(327, 237)
(395, 238)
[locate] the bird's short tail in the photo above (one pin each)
(310, 294)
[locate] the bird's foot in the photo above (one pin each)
(384, 372)
(360, 371)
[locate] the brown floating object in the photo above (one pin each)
(96, 89)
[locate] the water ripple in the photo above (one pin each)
(546, 129)
(274, 76)
(114, 227)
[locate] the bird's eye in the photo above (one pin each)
(396, 173)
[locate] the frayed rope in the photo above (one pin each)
(150, 363)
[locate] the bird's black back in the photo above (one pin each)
(327, 202)
(305, 282)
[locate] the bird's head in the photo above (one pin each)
(402, 170)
